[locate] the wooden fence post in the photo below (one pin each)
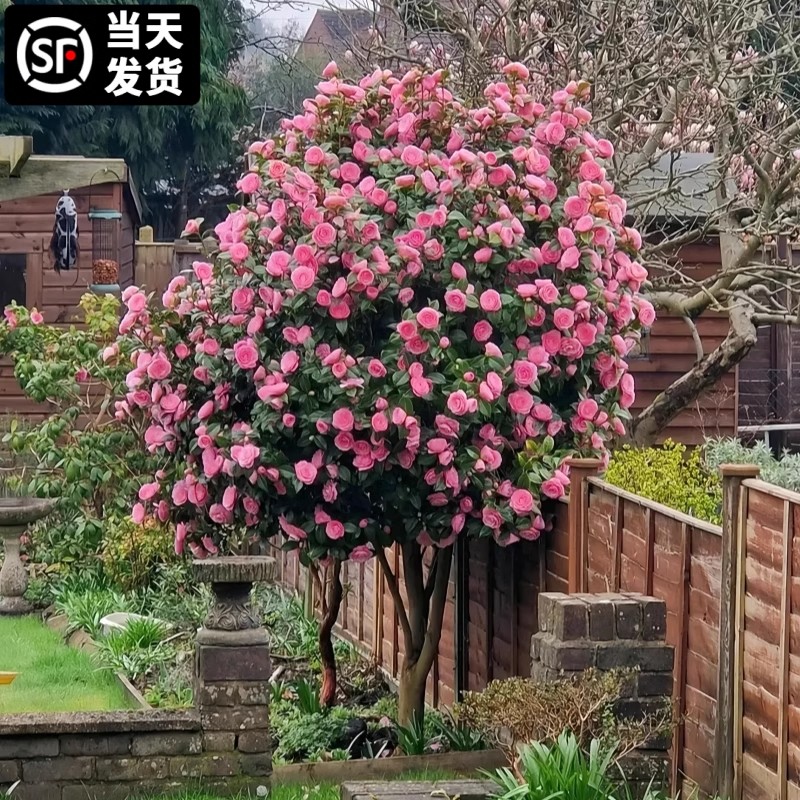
(733, 540)
(580, 470)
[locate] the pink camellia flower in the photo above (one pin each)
(458, 403)
(292, 531)
(246, 354)
(482, 331)
(138, 514)
(302, 278)
(525, 373)
(588, 408)
(306, 472)
(491, 301)
(334, 530)
(361, 554)
(343, 420)
(553, 488)
(159, 367)
(521, 501)
(250, 183)
(324, 234)
(492, 518)
(520, 401)
(455, 300)
(428, 318)
(245, 455)
(412, 156)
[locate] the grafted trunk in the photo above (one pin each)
(421, 620)
(332, 603)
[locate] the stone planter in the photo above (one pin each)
(232, 579)
(16, 513)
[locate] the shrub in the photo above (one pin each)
(670, 476)
(132, 553)
(783, 472)
(519, 710)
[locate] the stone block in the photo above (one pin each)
(570, 620)
(166, 744)
(601, 620)
(36, 791)
(257, 765)
(254, 742)
(654, 619)
(219, 742)
(253, 693)
(547, 605)
(9, 771)
(223, 664)
(102, 745)
(650, 684)
(637, 709)
(65, 768)
(542, 674)
(28, 746)
(235, 719)
(649, 657)
(216, 765)
(570, 656)
(132, 769)
(217, 694)
(628, 618)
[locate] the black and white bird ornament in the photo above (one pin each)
(64, 243)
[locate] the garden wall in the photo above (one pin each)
(120, 754)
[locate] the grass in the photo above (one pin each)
(52, 676)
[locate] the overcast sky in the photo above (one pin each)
(301, 13)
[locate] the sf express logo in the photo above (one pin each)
(54, 55)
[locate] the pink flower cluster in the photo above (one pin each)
(421, 312)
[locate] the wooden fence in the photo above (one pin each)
(156, 263)
(733, 616)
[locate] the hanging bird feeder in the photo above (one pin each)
(105, 250)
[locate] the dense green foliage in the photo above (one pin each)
(669, 475)
(688, 480)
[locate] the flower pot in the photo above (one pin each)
(105, 288)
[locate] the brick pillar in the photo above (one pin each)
(610, 632)
(232, 670)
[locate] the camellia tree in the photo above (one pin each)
(423, 310)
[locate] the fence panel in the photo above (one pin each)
(636, 545)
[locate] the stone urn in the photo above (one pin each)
(231, 616)
(16, 513)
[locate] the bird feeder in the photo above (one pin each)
(105, 250)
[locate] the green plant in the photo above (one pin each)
(307, 696)
(132, 552)
(458, 736)
(119, 655)
(299, 735)
(670, 476)
(562, 771)
(783, 472)
(412, 738)
(86, 607)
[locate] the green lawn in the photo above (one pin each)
(52, 676)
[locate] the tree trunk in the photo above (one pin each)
(421, 619)
(411, 694)
(703, 375)
(327, 693)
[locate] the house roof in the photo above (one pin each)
(343, 23)
(679, 186)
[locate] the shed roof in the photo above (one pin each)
(23, 174)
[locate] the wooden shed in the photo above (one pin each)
(30, 186)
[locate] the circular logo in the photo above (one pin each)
(54, 55)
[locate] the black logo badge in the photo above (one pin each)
(102, 55)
